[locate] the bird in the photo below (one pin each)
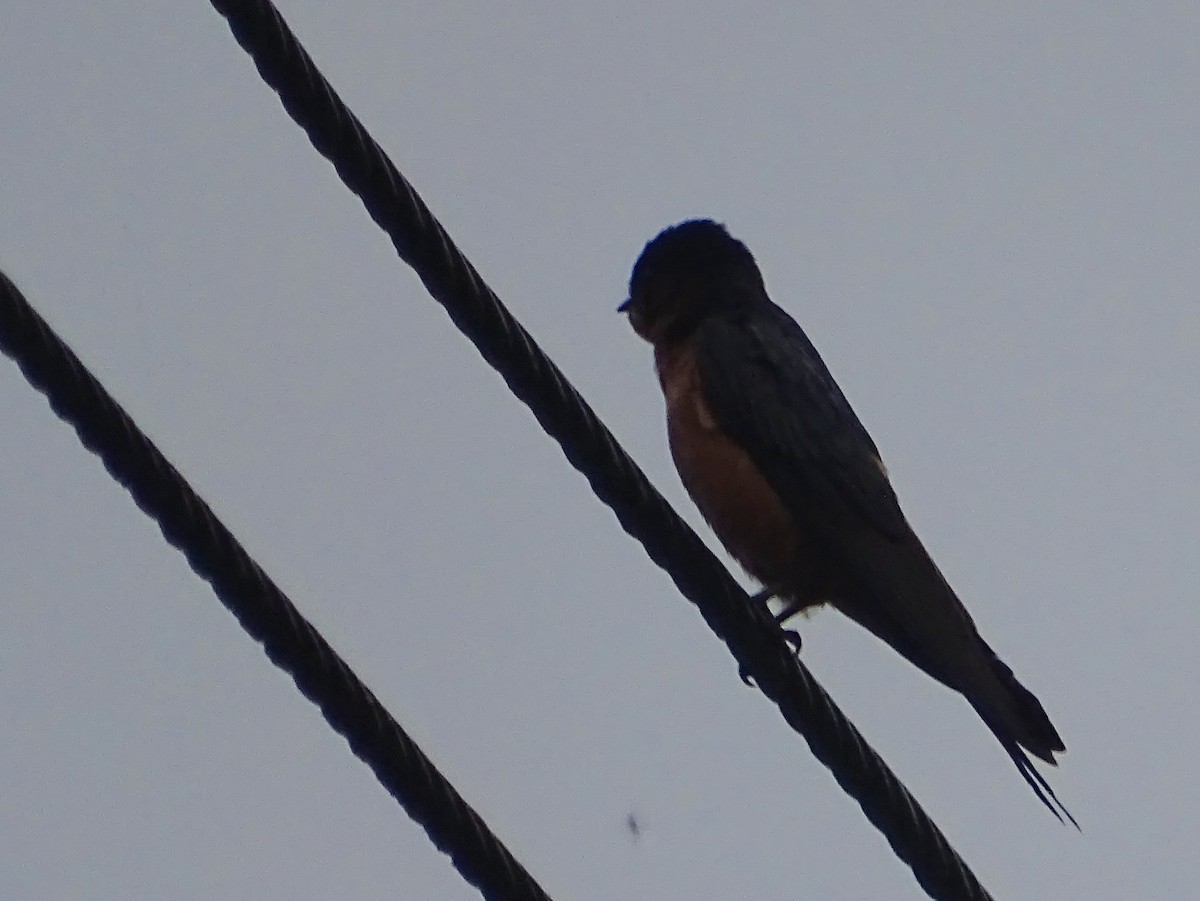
(793, 486)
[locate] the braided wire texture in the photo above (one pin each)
(747, 629)
(264, 611)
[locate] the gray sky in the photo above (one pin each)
(985, 218)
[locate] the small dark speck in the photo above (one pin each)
(634, 827)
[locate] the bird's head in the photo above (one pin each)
(689, 271)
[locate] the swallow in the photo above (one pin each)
(787, 477)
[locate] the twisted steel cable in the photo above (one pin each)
(752, 636)
(263, 610)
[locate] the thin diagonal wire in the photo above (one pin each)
(263, 610)
(453, 282)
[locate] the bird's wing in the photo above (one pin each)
(770, 392)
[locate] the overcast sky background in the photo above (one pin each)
(985, 217)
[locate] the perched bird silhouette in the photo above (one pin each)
(791, 483)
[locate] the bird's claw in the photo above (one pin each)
(791, 636)
(761, 597)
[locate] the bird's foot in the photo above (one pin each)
(791, 636)
(762, 597)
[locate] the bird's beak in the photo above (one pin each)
(624, 307)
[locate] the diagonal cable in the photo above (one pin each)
(263, 610)
(748, 630)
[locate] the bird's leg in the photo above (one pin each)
(791, 636)
(790, 609)
(761, 597)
